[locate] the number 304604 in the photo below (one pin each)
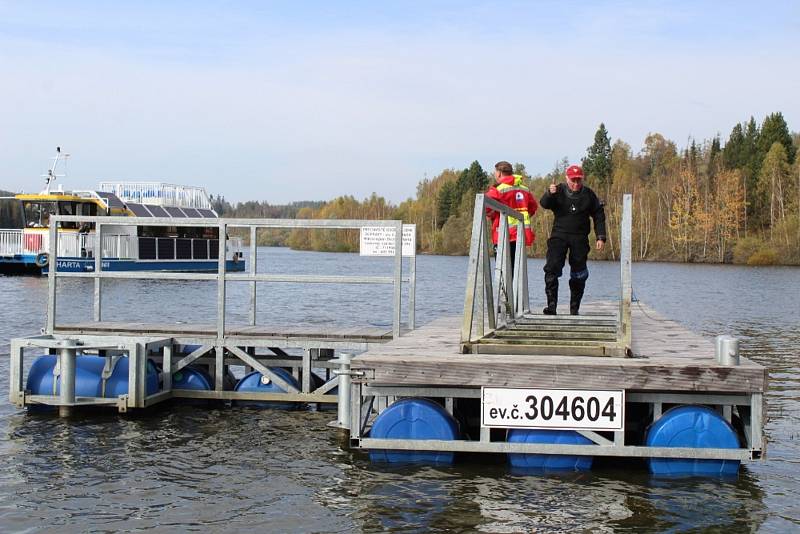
(553, 408)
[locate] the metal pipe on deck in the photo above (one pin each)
(345, 381)
(66, 363)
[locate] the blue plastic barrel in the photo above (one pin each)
(692, 426)
(191, 378)
(87, 376)
(414, 419)
(117, 383)
(548, 462)
(253, 382)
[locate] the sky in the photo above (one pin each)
(287, 101)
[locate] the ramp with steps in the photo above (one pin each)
(497, 317)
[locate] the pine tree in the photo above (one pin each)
(597, 163)
(446, 203)
(733, 153)
(714, 156)
(775, 130)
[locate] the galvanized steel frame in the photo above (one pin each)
(364, 398)
(224, 344)
(136, 348)
(500, 303)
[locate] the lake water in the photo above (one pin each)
(181, 469)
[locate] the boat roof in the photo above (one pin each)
(112, 202)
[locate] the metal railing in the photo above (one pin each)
(505, 298)
(10, 242)
(502, 300)
(221, 276)
(158, 193)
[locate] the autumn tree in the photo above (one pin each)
(772, 184)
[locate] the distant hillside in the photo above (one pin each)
(253, 209)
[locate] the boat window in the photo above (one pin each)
(37, 214)
(11, 215)
(67, 208)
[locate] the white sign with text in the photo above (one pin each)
(379, 241)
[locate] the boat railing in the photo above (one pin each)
(11, 242)
(158, 193)
(222, 276)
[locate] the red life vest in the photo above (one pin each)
(513, 193)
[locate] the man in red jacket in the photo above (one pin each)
(511, 191)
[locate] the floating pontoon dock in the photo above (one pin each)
(618, 380)
(499, 350)
(211, 347)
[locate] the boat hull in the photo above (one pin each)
(26, 264)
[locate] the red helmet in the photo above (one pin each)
(575, 172)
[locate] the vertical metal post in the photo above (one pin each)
(66, 361)
(480, 292)
(345, 381)
(398, 278)
(133, 375)
(355, 419)
(757, 420)
(519, 266)
(305, 384)
(253, 271)
(472, 270)
(487, 277)
(526, 296)
(166, 367)
(220, 345)
(52, 258)
(98, 265)
(500, 264)
(624, 335)
(15, 380)
(412, 290)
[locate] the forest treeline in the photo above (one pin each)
(736, 201)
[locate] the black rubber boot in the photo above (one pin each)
(551, 292)
(576, 288)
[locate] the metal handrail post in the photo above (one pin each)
(51, 276)
(98, 265)
(486, 268)
(472, 269)
(220, 348)
(499, 260)
(253, 270)
(398, 278)
(412, 291)
(480, 290)
(626, 290)
(519, 267)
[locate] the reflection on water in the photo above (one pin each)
(180, 468)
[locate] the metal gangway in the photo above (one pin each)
(217, 346)
(497, 316)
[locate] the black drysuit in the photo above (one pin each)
(570, 233)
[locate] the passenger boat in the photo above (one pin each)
(23, 250)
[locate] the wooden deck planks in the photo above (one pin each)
(668, 358)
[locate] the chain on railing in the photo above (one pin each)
(500, 301)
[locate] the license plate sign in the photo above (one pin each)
(565, 409)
